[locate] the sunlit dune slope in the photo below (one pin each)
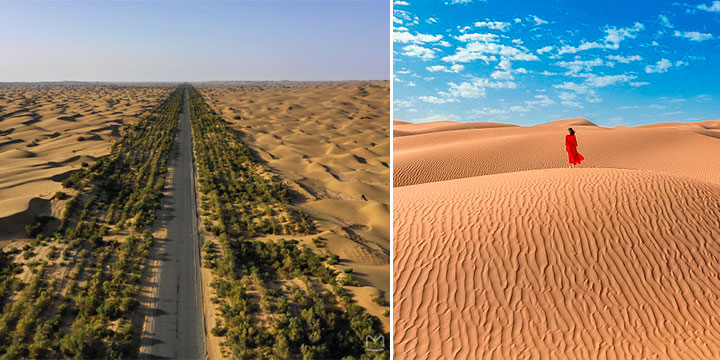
(558, 263)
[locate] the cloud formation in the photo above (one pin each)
(693, 35)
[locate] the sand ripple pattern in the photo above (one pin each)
(561, 263)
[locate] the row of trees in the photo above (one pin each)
(86, 313)
(241, 198)
(263, 314)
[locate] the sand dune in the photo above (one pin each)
(680, 149)
(48, 131)
(502, 252)
(331, 143)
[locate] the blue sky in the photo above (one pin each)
(194, 40)
(527, 62)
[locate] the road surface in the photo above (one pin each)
(177, 330)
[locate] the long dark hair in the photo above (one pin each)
(572, 132)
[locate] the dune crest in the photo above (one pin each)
(558, 263)
(567, 123)
(670, 148)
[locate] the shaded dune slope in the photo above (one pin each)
(558, 263)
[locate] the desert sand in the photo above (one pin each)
(48, 131)
(501, 251)
(330, 143)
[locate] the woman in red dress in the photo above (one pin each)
(571, 147)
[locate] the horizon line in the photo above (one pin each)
(175, 81)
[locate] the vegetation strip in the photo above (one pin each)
(80, 297)
(277, 299)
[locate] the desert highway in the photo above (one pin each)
(177, 330)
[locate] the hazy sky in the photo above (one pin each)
(615, 62)
(194, 40)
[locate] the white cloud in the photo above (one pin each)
(444, 43)
(660, 67)
(400, 2)
(402, 104)
(518, 108)
(548, 73)
(505, 65)
(460, 1)
(607, 80)
(489, 111)
(567, 49)
(571, 103)
(567, 96)
(569, 99)
(478, 37)
(639, 83)
(486, 51)
(466, 90)
(505, 70)
(502, 75)
(537, 20)
(576, 66)
(436, 100)
(495, 25)
(581, 89)
(625, 59)
(693, 35)
(456, 68)
(665, 21)
(418, 52)
(476, 87)
(715, 7)
(431, 20)
(544, 49)
(541, 100)
(613, 37)
(406, 37)
(404, 17)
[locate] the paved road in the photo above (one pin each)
(178, 330)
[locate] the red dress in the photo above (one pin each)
(571, 147)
